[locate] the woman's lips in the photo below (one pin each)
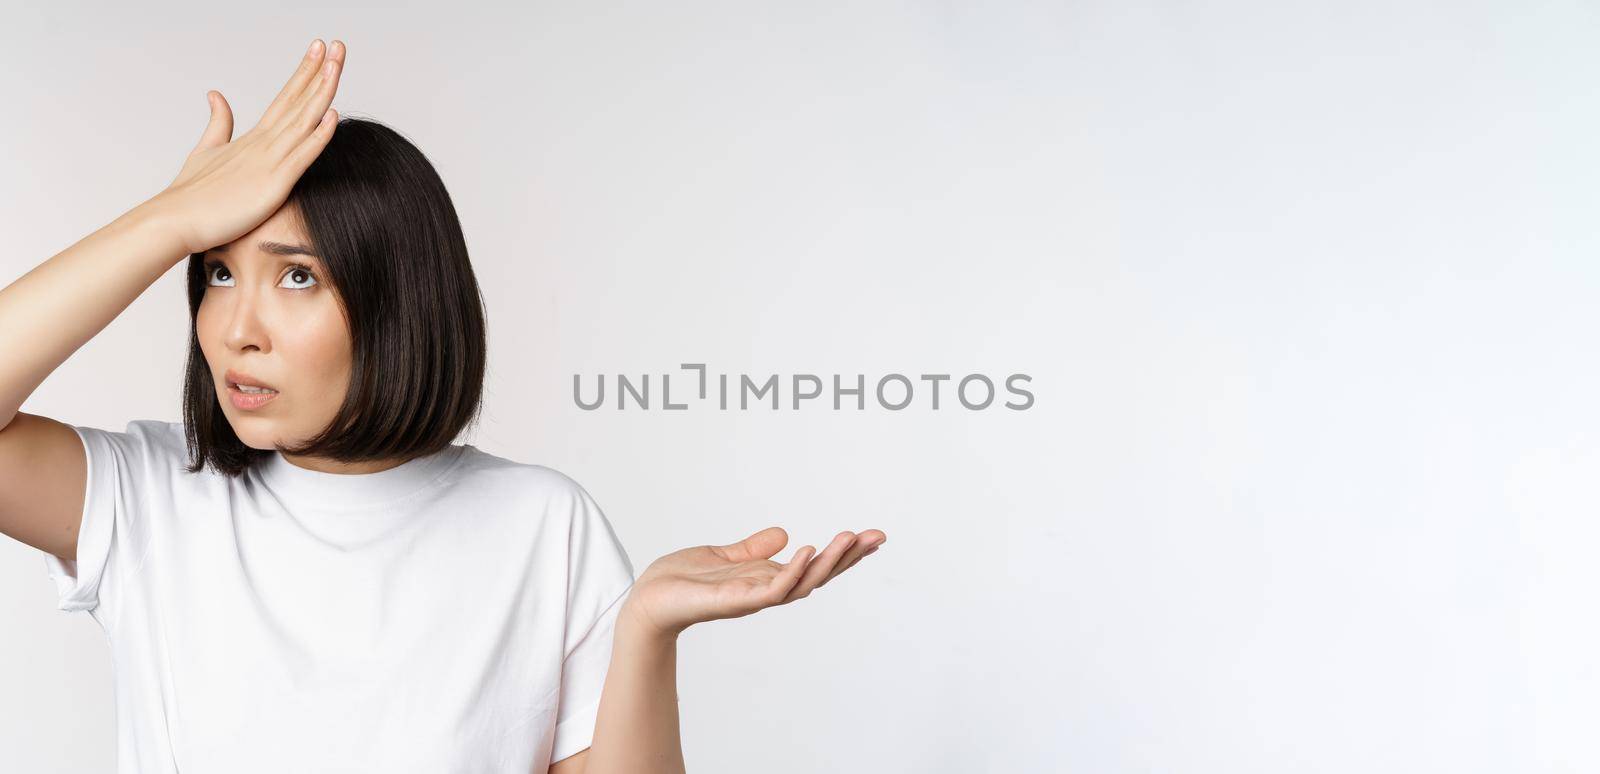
(248, 400)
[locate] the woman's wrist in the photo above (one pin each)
(156, 224)
(633, 621)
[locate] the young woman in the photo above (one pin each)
(307, 573)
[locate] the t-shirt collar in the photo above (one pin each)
(343, 490)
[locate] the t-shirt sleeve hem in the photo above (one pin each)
(77, 581)
(575, 734)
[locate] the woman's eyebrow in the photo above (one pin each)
(273, 248)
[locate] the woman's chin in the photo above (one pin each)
(255, 432)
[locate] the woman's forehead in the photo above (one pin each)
(282, 228)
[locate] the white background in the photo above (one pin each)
(1308, 292)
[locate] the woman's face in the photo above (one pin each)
(269, 315)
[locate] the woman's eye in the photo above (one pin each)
(300, 275)
(212, 272)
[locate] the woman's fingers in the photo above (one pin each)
(311, 108)
(219, 130)
(864, 545)
(819, 569)
(784, 581)
(332, 63)
(301, 156)
(297, 84)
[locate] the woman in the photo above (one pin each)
(307, 574)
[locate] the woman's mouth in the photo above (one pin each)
(250, 397)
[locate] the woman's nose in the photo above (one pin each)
(245, 326)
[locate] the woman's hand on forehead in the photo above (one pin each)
(228, 186)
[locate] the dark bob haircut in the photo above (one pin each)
(379, 218)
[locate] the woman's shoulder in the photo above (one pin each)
(159, 429)
(140, 437)
(169, 439)
(527, 477)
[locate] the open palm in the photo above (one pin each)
(706, 583)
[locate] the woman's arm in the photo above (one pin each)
(45, 316)
(48, 313)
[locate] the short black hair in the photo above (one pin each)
(379, 218)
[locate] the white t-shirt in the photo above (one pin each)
(452, 614)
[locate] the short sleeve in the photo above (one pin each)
(112, 534)
(599, 577)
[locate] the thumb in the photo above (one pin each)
(761, 545)
(219, 131)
